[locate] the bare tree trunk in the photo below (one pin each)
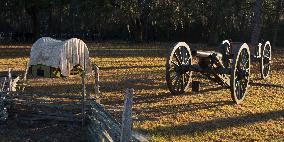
(275, 33)
(257, 22)
(279, 12)
(139, 31)
(33, 12)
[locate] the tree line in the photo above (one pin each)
(207, 21)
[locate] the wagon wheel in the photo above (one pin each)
(265, 62)
(178, 76)
(240, 74)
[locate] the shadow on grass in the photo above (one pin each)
(179, 108)
(153, 98)
(40, 131)
(222, 123)
(129, 67)
(267, 85)
(114, 53)
(147, 98)
(58, 89)
(8, 53)
(162, 110)
(137, 84)
(14, 73)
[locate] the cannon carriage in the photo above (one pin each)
(229, 66)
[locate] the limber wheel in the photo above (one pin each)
(178, 76)
(226, 51)
(265, 61)
(240, 73)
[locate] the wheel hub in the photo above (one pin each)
(182, 69)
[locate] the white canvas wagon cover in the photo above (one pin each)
(60, 54)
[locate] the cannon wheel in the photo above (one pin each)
(177, 76)
(240, 74)
(265, 61)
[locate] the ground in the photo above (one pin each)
(209, 115)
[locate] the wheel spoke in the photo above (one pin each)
(183, 52)
(267, 52)
(186, 57)
(175, 82)
(187, 61)
(174, 77)
(182, 82)
(181, 56)
(241, 89)
(266, 65)
(175, 64)
(266, 69)
(237, 89)
(185, 80)
(180, 53)
(176, 85)
(187, 77)
(177, 58)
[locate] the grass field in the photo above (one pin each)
(209, 115)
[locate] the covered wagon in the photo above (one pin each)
(54, 58)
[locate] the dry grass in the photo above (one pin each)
(206, 116)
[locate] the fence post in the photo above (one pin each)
(26, 71)
(83, 96)
(126, 132)
(97, 85)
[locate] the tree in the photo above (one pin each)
(279, 10)
(256, 29)
(144, 20)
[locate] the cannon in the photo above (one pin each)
(229, 66)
